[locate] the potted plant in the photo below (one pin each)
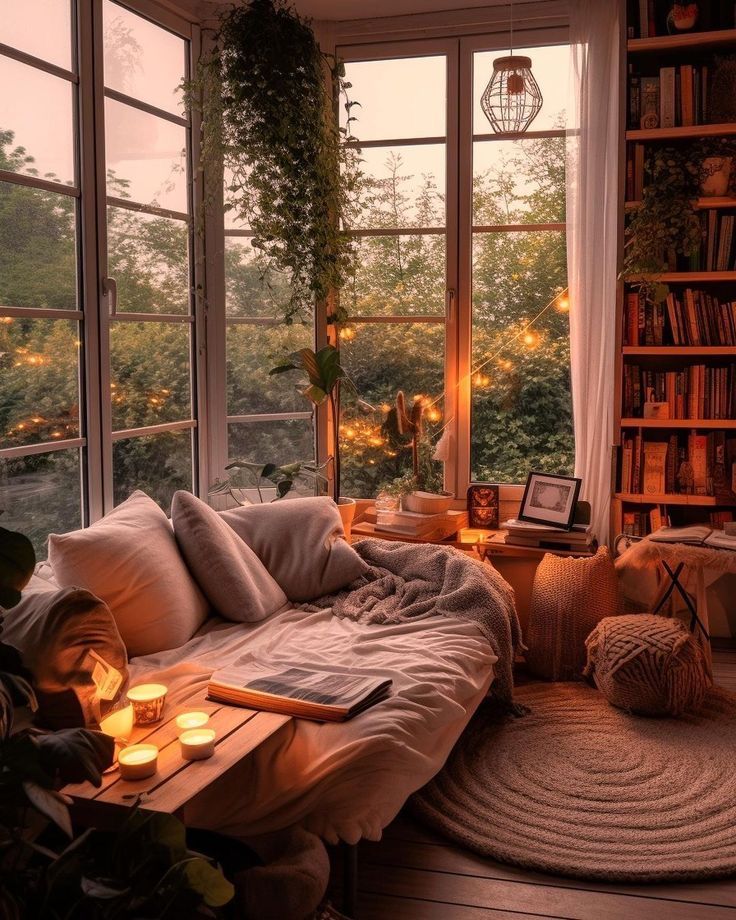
(324, 383)
(246, 477)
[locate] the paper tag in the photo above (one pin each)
(107, 678)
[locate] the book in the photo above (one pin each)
(655, 457)
(305, 693)
(667, 97)
(649, 102)
(415, 524)
(694, 535)
(578, 532)
(560, 544)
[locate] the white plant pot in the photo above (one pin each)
(346, 507)
(716, 172)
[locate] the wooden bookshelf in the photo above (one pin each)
(686, 278)
(679, 351)
(687, 41)
(705, 423)
(702, 204)
(682, 132)
(637, 498)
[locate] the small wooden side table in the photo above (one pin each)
(239, 732)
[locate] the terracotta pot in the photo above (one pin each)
(716, 175)
(346, 507)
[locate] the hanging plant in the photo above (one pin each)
(266, 96)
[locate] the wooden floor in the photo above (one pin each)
(415, 874)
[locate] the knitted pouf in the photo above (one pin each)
(646, 664)
(568, 598)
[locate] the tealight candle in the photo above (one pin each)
(197, 744)
(148, 702)
(138, 761)
(192, 719)
(118, 724)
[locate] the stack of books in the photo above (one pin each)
(540, 536)
(418, 526)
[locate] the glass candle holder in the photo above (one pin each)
(138, 761)
(197, 744)
(118, 723)
(148, 702)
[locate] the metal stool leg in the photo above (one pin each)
(349, 878)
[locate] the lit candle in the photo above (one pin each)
(197, 744)
(138, 761)
(119, 723)
(148, 702)
(192, 720)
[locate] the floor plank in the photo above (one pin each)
(416, 874)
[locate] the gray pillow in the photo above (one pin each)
(301, 541)
(230, 574)
(70, 642)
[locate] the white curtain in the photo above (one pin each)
(592, 240)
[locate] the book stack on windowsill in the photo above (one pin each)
(417, 526)
(542, 536)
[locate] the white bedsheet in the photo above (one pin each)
(343, 781)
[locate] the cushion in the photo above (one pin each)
(233, 578)
(648, 664)
(301, 542)
(130, 559)
(69, 641)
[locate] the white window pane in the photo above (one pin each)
(143, 60)
(146, 156)
(150, 370)
(519, 182)
(397, 275)
(398, 98)
(550, 68)
(38, 262)
(149, 259)
(42, 494)
(251, 353)
(271, 442)
(159, 464)
(39, 380)
(403, 187)
(38, 114)
(39, 27)
(521, 409)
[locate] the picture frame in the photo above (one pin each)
(483, 506)
(550, 500)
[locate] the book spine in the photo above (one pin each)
(667, 97)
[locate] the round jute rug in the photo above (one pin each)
(579, 788)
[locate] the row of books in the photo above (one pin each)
(699, 464)
(676, 96)
(648, 18)
(413, 524)
(691, 318)
(541, 536)
(698, 391)
(657, 521)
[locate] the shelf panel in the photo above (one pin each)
(685, 277)
(687, 351)
(636, 498)
(688, 40)
(678, 423)
(680, 133)
(702, 204)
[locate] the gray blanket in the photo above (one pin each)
(411, 581)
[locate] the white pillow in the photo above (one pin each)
(130, 559)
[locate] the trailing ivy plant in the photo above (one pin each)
(667, 224)
(266, 95)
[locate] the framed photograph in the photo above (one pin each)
(550, 500)
(483, 506)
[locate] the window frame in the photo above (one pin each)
(459, 139)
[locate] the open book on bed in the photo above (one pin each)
(306, 693)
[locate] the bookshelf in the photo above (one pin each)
(680, 354)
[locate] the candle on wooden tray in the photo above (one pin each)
(118, 723)
(197, 743)
(192, 719)
(138, 761)
(148, 702)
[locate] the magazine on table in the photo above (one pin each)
(306, 693)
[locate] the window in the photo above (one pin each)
(97, 393)
(458, 294)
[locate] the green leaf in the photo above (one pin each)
(209, 882)
(284, 487)
(103, 889)
(49, 803)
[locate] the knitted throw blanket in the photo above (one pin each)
(412, 581)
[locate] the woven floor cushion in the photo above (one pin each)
(647, 664)
(570, 595)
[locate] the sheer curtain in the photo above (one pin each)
(592, 240)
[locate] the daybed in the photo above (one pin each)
(343, 781)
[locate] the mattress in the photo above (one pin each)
(343, 781)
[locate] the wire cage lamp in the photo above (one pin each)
(512, 99)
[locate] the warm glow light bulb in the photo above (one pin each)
(563, 303)
(530, 339)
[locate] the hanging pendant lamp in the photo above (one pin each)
(512, 99)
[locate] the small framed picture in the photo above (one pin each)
(483, 506)
(550, 500)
